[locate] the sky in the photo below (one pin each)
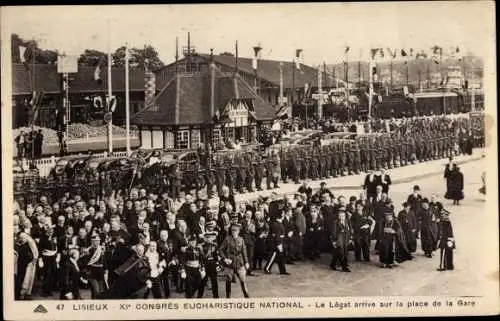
(322, 30)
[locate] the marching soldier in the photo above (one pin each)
(250, 173)
(220, 175)
(314, 165)
(232, 174)
(284, 165)
(241, 178)
(259, 172)
(327, 159)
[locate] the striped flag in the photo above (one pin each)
(35, 103)
(98, 70)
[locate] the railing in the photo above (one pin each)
(44, 165)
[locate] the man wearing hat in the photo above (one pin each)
(414, 201)
(192, 267)
(408, 222)
(210, 262)
(361, 223)
(277, 240)
(446, 242)
(234, 258)
(341, 237)
(428, 228)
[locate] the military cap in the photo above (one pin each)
(352, 198)
(322, 183)
(300, 204)
(416, 188)
(425, 200)
(405, 204)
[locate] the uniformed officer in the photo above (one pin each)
(210, 262)
(241, 177)
(220, 175)
(192, 267)
(232, 174)
(94, 258)
(235, 260)
(277, 235)
(48, 262)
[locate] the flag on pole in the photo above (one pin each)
(374, 52)
(381, 50)
(437, 50)
(392, 53)
(298, 56)
(22, 53)
(347, 48)
(403, 53)
(98, 71)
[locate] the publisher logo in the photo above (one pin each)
(40, 309)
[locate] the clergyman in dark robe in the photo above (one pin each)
(446, 242)
(455, 185)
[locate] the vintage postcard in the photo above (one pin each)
(249, 160)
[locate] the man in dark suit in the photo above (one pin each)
(370, 184)
(386, 182)
(341, 237)
(70, 289)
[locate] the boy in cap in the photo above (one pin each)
(235, 260)
(341, 237)
(446, 242)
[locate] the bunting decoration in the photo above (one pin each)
(35, 103)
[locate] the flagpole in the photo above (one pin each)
(110, 122)
(127, 98)
(33, 53)
(320, 92)
(281, 85)
(370, 89)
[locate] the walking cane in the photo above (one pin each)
(132, 180)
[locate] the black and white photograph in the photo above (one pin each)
(276, 160)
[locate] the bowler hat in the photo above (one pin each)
(416, 188)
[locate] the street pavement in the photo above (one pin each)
(412, 278)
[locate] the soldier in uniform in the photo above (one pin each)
(284, 165)
(234, 257)
(306, 164)
(210, 178)
(220, 174)
(250, 173)
(232, 174)
(176, 180)
(192, 268)
(210, 262)
(314, 165)
(350, 159)
(259, 172)
(294, 172)
(241, 178)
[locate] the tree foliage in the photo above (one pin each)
(41, 56)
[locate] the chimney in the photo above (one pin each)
(149, 88)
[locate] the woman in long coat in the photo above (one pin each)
(455, 185)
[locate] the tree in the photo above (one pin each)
(138, 57)
(32, 47)
(91, 58)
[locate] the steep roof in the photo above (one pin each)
(185, 99)
(269, 70)
(48, 80)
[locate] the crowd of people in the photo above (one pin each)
(125, 244)
(29, 144)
